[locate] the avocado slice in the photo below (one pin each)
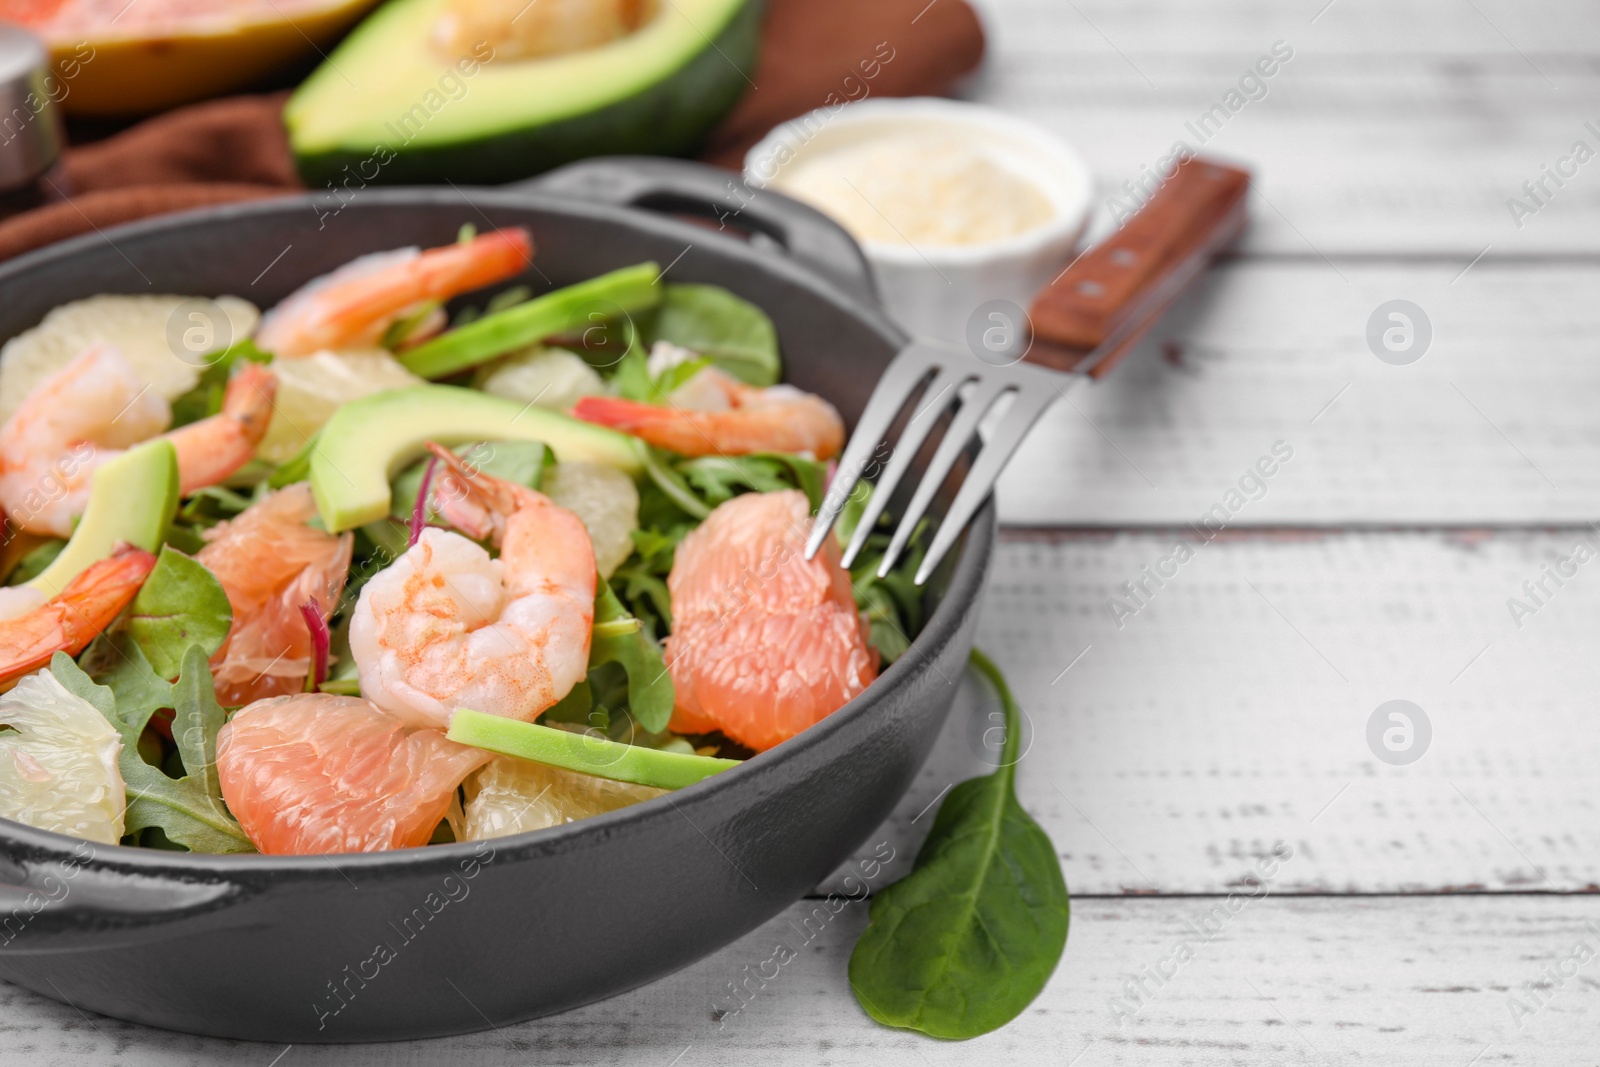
(573, 308)
(388, 108)
(131, 498)
(370, 440)
(584, 753)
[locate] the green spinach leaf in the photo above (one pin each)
(961, 945)
(731, 332)
(189, 811)
(35, 562)
(181, 604)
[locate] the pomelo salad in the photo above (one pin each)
(415, 556)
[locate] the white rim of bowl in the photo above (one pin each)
(1069, 220)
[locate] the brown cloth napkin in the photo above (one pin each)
(814, 53)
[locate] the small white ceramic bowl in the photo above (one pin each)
(933, 291)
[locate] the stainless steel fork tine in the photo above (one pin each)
(913, 363)
(940, 394)
(987, 390)
(1019, 419)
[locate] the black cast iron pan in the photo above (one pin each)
(455, 938)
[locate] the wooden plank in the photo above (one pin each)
(1278, 980)
(1493, 424)
(1401, 126)
(1231, 712)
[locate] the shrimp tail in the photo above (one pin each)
(212, 449)
(72, 618)
(471, 500)
(629, 416)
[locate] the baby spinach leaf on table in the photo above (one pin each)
(181, 604)
(733, 333)
(189, 811)
(961, 945)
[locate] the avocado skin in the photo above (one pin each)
(669, 118)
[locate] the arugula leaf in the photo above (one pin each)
(893, 604)
(732, 333)
(641, 582)
(658, 468)
(181, 604)
(297, 468)
(204, 399)
(117, 662)
(679, 373)
(961, 945)
(650, 693)
(721, 478)
(189, 811)
(630, 375)
(196, 718)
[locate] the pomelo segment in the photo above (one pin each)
(315, 774)
(58, 763)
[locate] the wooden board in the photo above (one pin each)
(1392, 128)
(1420, 982)
(1484, 428)
(1231, 712)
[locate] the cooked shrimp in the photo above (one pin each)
(355, 304)
(445, 626)
(716, 414)
(764, 642)
(270, 562)
(94, 408)
(68, 621)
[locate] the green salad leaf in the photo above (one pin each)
(734, 334)
(297, 468)
(188, 811)
(621, 638)
(641, 581)
(204, 398)
(717, 479)
(961, 945)
(35, 562)
(180, 605)
(116, 661)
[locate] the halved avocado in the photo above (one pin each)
(140, 62)
(369, 441)
(131, 498)
(387, 107)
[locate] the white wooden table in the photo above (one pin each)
(1422, 904)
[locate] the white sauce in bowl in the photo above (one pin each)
(921, 188)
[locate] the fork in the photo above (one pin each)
(1081, 324)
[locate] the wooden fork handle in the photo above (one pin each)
(1118, 289)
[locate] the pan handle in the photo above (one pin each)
(679, 187)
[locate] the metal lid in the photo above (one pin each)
(30, 124)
